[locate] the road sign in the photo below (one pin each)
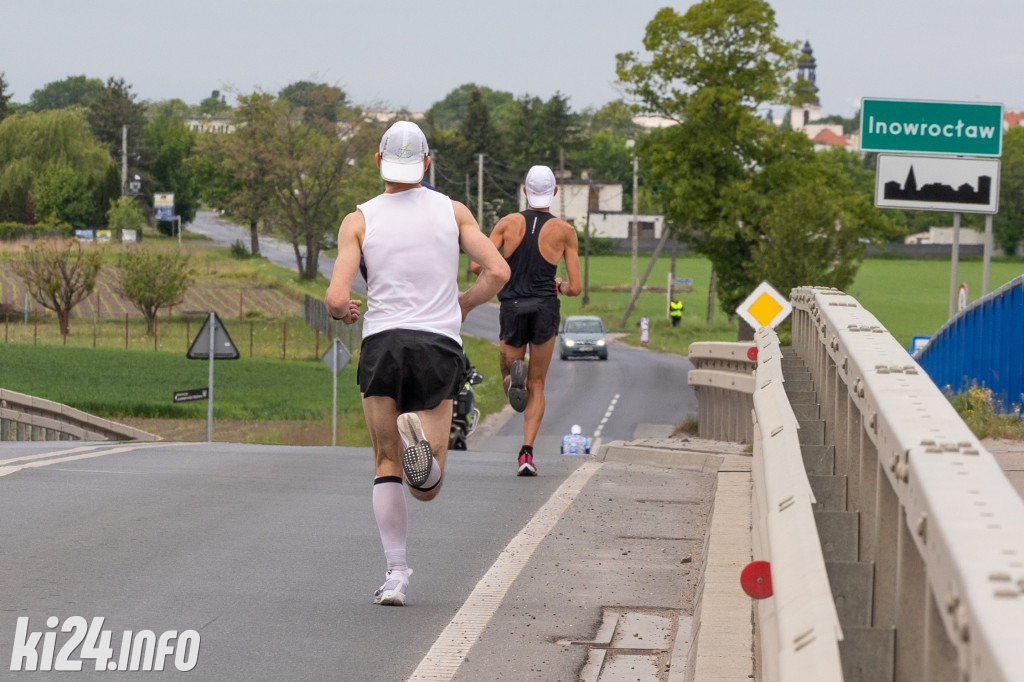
(223, 348)
(961, 297)
(764, 307)
(937, 183)
(163, 206)
(191, 394)
(337, 357)
(957, 128)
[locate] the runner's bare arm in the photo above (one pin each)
(497, 238)
(350, 235)
(571, 254)
(492, 272)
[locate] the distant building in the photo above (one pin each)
(210, 124)
(1013, 119)
(944, 235)
(602, 201)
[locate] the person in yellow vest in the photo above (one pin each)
(675, 311)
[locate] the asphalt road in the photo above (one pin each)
(268, 556)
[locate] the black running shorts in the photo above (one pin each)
(418, 369)
(528, 320)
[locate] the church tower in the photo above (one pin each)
(807, 109)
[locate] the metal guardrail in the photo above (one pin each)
(24, 417)
(799, 625)
(937, 516)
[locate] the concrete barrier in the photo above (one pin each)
(25, 417)
(934, 513)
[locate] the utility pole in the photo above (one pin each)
(124, 159)
(636, 214)
(480, 191)
(561, 167)
(433, 183)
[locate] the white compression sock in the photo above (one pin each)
(433, 477)
(392, 520)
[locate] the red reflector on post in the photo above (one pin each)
(756, 579)
(752, 354)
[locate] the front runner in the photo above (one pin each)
(411, 361)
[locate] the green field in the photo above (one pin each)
(908, 297)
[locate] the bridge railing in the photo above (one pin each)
(937, 516)
(24, 417)
(723, 381)
(799, 625)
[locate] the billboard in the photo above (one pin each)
(163, 207)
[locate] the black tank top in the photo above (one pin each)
(532, 276)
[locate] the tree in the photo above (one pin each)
(109, 110)
(62, 195)
(33, 144)
(316, 103)
(125, 214)
(238, 166)
(174, 169)
(308, 172)
(714, 70)
(448, 113)
(73, 91)
(5, 98)
(152, 280)
(59, 275)
(214, 105)
(1008, 224)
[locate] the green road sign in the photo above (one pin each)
(957, 128)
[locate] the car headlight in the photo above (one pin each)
(569, 343)
(600, 342)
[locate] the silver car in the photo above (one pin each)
(582, 336)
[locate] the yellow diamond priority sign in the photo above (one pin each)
(765, 307)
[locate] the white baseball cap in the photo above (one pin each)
(540, 187)
(402, 150)
(576, 430)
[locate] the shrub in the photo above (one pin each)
(239, 251)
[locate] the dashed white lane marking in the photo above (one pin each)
(455, 641)
(7, 466)
(607, 416)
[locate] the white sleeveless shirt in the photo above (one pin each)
(411, 249)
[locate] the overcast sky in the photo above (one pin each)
(408, 54)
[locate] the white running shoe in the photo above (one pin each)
(392, 592)
(418, 457)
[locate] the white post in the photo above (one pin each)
(335, 345)
(955, 259)
(209, 397)
(636, 221)
(988, 254)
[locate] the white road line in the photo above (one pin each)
(455, 641)
(607, 415)
(83, 448)
(5, 470)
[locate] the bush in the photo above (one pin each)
(599, 246)
(983, 415)
(239, 251)
(10, 232)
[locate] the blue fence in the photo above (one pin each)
(984, 345)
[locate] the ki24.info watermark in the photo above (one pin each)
(89, 642)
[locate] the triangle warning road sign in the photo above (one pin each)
(223, 348)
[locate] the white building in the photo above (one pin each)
(944, 235)
(607, 219)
